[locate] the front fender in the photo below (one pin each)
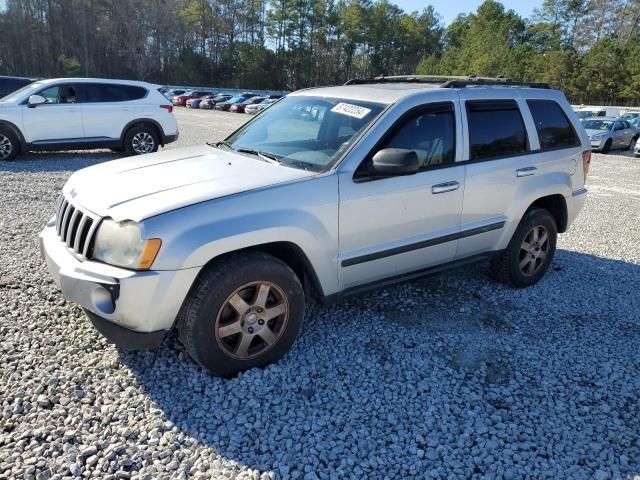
(305, 214)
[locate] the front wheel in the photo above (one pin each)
(140, 140)
(633, 143)
(607, 146)
(9, 145)
(244, 312)
(530, 251)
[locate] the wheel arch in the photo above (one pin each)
(144, 121)
(289, 253)
(556, 205)
(16, 131)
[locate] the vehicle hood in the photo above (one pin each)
(136, 188)
(592, 132)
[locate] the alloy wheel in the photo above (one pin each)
(142, 142)
(534, 250)
(5, 147)
(251, 320)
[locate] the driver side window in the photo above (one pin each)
(430, 133)
(59, 94)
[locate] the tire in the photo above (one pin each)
(633, 143)
(607, 146)
(141, 139)
(9, 145)
(510, 267)
(225, 341)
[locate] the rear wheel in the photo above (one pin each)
(140, 140)
(245, 312)
(9, 145)
(530, 251)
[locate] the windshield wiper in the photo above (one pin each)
(258, 153)
(222, 143)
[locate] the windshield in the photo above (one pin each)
(306, 132)
(18, 94)
(604, 125)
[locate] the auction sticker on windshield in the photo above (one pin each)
(351, 110)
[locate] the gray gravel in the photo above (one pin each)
(453, 376)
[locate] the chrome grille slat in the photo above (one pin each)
(75, 227)
(72, 228)
(83, 222)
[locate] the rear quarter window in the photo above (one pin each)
(553, 127)
(107, 92)
(496, 129)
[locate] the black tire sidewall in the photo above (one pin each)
(532, 219)
(15, 144)
(218, 287)
(128, 139)
(607, 146)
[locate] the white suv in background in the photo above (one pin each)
(85, 113)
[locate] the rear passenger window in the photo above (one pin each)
(430, 133)
(553, 126)
(496, 129)
(104, 92)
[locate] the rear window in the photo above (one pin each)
(496, 129)
(106, 92)
(553, 126)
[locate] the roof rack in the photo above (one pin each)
(446, 81)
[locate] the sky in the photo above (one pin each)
(449, 9)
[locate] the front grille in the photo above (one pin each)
(75, 227)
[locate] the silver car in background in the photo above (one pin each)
(608, 133)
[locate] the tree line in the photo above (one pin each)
(589, 48)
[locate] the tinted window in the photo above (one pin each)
(59, 94)
(9, 85)
(496, 129)
(104, 92)
(430, 133)
(554, 129)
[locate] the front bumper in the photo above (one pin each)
(597, 144)
(132, 309)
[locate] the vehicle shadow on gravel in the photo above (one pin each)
(58, 161)
(431, 374)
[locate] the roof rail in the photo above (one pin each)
(447, 81)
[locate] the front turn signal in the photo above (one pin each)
(149, 253)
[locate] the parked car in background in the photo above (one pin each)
(633, 118)
(169, 94)
(588, 112)
(226, 105)
(195, 102)
(240, 106)
(392, 181)
(11, 84)
(210, 103)
(79, 113)
(181, 100)
(258, 107)
(608, 133)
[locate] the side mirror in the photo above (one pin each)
(35, 100)
(395, 161)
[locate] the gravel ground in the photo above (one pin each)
(453, 376)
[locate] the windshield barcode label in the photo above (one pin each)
(351, 110)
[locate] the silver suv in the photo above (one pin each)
(327, 193)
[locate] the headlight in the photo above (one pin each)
(122, 244)
(598, 136)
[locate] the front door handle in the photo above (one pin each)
(526, 171)
(445, 187)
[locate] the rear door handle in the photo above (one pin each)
(445, 187)
(526, 171)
